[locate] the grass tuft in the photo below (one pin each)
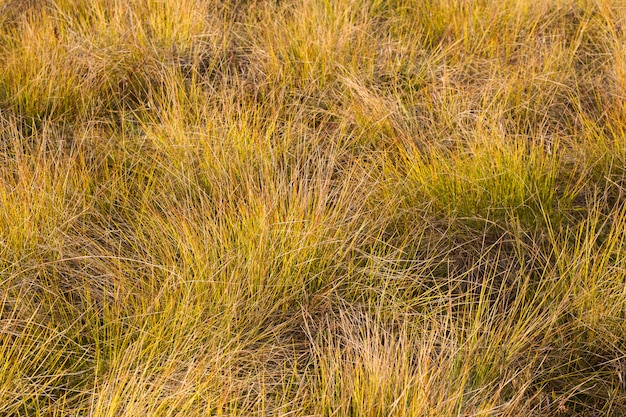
(312, 208)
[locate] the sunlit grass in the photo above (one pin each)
(328, 208)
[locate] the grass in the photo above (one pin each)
(312, 208)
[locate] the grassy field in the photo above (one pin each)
(312, 208)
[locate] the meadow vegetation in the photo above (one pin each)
(312, 208)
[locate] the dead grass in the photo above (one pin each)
(329, 208)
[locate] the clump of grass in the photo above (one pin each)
(312, 208)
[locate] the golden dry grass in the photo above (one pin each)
(312, 208)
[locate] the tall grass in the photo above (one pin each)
(329, 208)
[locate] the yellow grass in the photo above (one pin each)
(312, 208)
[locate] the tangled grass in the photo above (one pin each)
(312, 208)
